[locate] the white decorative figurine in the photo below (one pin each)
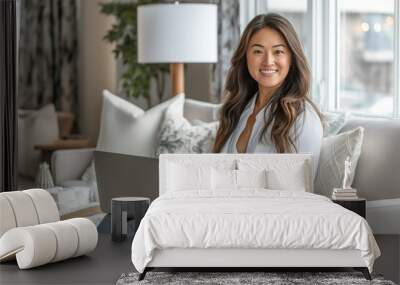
(347, 174)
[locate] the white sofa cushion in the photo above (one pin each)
(35, 127)
(334, 151)
(126, 128)
(178, 135)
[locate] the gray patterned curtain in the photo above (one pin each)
(228, 38)
(48, 51)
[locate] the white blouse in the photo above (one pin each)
(308, 128)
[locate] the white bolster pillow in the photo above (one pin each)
(40, 244)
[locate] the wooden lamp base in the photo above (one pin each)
(178, 78)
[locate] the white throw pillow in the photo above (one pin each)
(35, 127)
(334, 151)
(177, 135)
(182, 178)
(251, 178)
(126, 128)
(199, 110)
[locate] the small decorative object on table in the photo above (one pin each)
(43, 178)
(346, 192)
(347, 196)
(126, 214)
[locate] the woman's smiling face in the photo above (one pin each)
(268, 59)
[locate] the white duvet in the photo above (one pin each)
(252, 218)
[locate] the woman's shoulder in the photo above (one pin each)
(310, 111)
(309, 117)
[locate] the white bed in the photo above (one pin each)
(251, 226)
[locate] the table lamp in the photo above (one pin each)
(177, 34)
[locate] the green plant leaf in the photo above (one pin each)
(136, 78)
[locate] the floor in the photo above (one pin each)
(103, 266)
(388, 263)
(111, 259)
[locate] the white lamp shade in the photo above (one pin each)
(177, 33)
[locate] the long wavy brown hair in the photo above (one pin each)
(287, 102)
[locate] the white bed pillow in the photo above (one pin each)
(228, 179)
(223, 179)
(177, 135)
(286, 174)
(251, 178)
(293, 180)
(126, 128)
(182, 178)
(334, 151)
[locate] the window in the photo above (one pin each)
(296, 13)
(366, 56)
(353, 48)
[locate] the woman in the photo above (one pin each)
(267, 108)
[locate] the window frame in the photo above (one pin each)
(324, 21)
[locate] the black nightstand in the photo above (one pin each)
(358, 206)
(126, 214)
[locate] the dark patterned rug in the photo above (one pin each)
(270, 278)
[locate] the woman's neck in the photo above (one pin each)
(263, 97)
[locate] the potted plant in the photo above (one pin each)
(136, 78)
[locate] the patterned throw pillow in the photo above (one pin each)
(334, 122)
(334, 151)
(89, 176)
(177, 135)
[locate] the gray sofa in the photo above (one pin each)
(377, 176)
